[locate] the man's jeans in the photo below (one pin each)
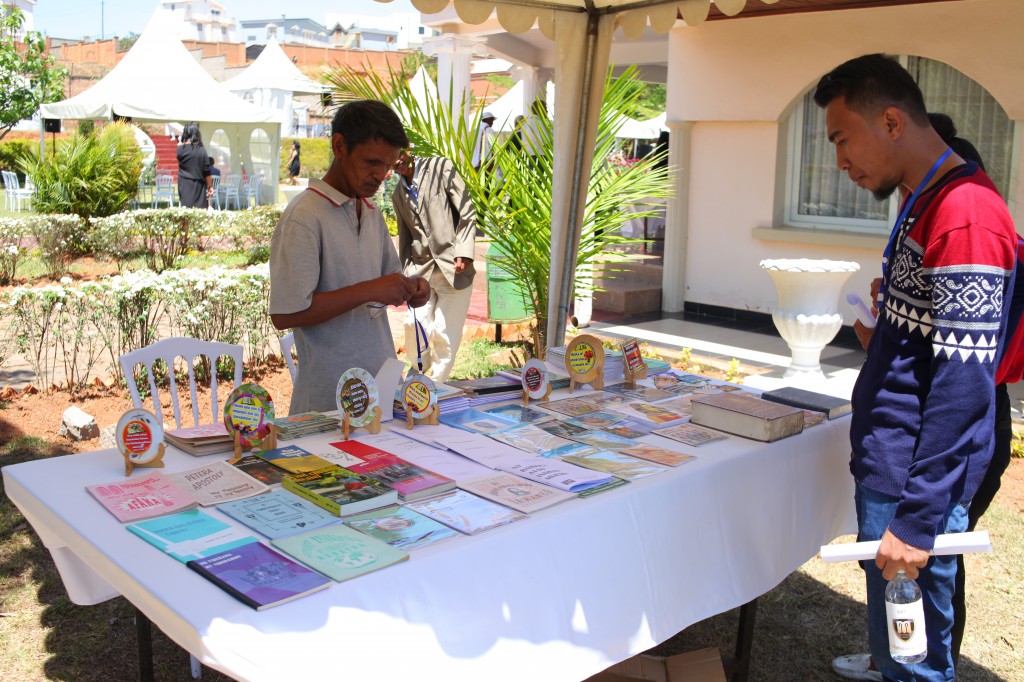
(936, 580)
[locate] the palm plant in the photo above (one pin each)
(513, 197)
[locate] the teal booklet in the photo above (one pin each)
(402, 528)
(340, 552)
(189, 535)
(278, 514)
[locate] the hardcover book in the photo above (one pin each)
(260, 469)
(340, 552)
(746, 416)
(218, 482)
(340, 491)
(412, 482)
(191, 534)
(278, 514)
(616, 464)
(293, 459)
(832, 406)
(401, 527)
(135, 499)
(465, 512)
(515, 492)
(258, 576)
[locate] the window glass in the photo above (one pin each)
(262, 154)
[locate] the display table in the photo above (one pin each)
(558, 596)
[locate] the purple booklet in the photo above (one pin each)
(258, 576)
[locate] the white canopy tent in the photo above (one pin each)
(633, 129)
(581, 31)
(513, 103)
(271, 82)
(159, 81)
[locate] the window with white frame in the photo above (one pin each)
(821, 196)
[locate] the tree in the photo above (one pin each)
(28, 76)
(514, 206)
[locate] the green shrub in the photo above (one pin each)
(88, 176)
(13, 232)
(11, 154)
(315, 156)
(60, 239)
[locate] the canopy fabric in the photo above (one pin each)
(632, 129)
(513, 103)
(158, 80)
(273, 70)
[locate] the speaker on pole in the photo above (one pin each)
(51, 125)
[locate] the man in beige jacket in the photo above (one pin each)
(436, 227)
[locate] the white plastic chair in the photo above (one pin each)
(215, 197)
(252, 191)
(190, 350)
(232, 186)
(15, 194)
(287, 343)
(165, 191)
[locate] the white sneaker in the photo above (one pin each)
(856, 667)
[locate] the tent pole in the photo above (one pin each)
(42, 137)
(556, 334)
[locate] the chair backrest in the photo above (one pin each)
(189, 350)
(215, 182)
(11, 181)
(287, 342)
(233, 182)
(164, 183)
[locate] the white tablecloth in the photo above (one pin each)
(558, 596)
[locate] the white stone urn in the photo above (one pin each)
(807, 315)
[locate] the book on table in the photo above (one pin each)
(830, 405)
(401, 527)
(412, 482)
(260, 469)
(303, 424)
(217, 482)
(747, 416)
(259, 576)
(515, 492)
(340, 552)
(465, 512)
(293, 459)
(191, 534)
(205, 439)
(278, 513)
(488, 385)
(340, 491)
(143, 497)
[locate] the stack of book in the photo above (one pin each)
(613, 363)
(303, 424)
(207, 439)
(497, 384)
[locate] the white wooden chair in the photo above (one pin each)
(190, 350)
(287, 343)
(165, 191)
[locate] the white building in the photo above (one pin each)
(287, 31)
(26, 7)
(200, 20)
(407, 28)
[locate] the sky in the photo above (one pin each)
(78, 18)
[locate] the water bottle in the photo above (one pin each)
(904, 612)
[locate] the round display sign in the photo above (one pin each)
(419, 395)
(357, 396)
(584, 358)
(139, 435)
(535, 378)
(248, 411)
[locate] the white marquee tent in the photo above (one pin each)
(271, 82)
(159, 81)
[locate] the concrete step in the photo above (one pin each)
(626, 298)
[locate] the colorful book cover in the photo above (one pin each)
(465, 512)
(638, 392)
(340, 490)
(191, 534)
(515, 492)
(630, 428)
(258, 576)
(202, 432)
(293, 459)
(602, 398)
(574, 407)
(603, 440)
(616, 464)
(260, 469)
(603, 488)
(652, 413)
(476, 421)
(520, 413)
(217, 482)
(135, 499)
(340, 552)
(598, 420)
(690, 434)
(560, 428)
(278, 514)
(530, 438)
(653, 453)
(401, 527)
(411, 481)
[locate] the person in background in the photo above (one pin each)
(194, 183)
(294, 163)
(924, 401)
(213, 167)
(1010, 370)
(333, 267)
(485, 137)
(436, 226)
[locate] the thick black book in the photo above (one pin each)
(809, 400)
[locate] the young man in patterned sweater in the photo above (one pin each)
(923, 419)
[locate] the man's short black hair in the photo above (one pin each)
(870, 84)
(368, 119)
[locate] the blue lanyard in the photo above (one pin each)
(420, 333)
(904, 212)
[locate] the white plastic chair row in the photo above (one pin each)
(14, 194)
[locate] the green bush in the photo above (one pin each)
(315, 156)
(88, 176)
(60, 239)
(250, 231)
(11, 154)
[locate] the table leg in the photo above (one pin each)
(738, 668)
(144, 640)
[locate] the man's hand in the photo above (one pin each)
(894, 554)
(461, 264)
(420, 291)
(393, 289)
(862, 332)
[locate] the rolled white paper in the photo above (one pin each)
(862, 310)
(949, 543)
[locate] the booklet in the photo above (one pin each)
(465, 512)
(515, 492)
(340, 552)
(616, 464)
(191, 534)
(690, 434)
(401, 527)
(134, 499)
(653, 453)
(218, 482)
(278, 514)
(411, 481)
